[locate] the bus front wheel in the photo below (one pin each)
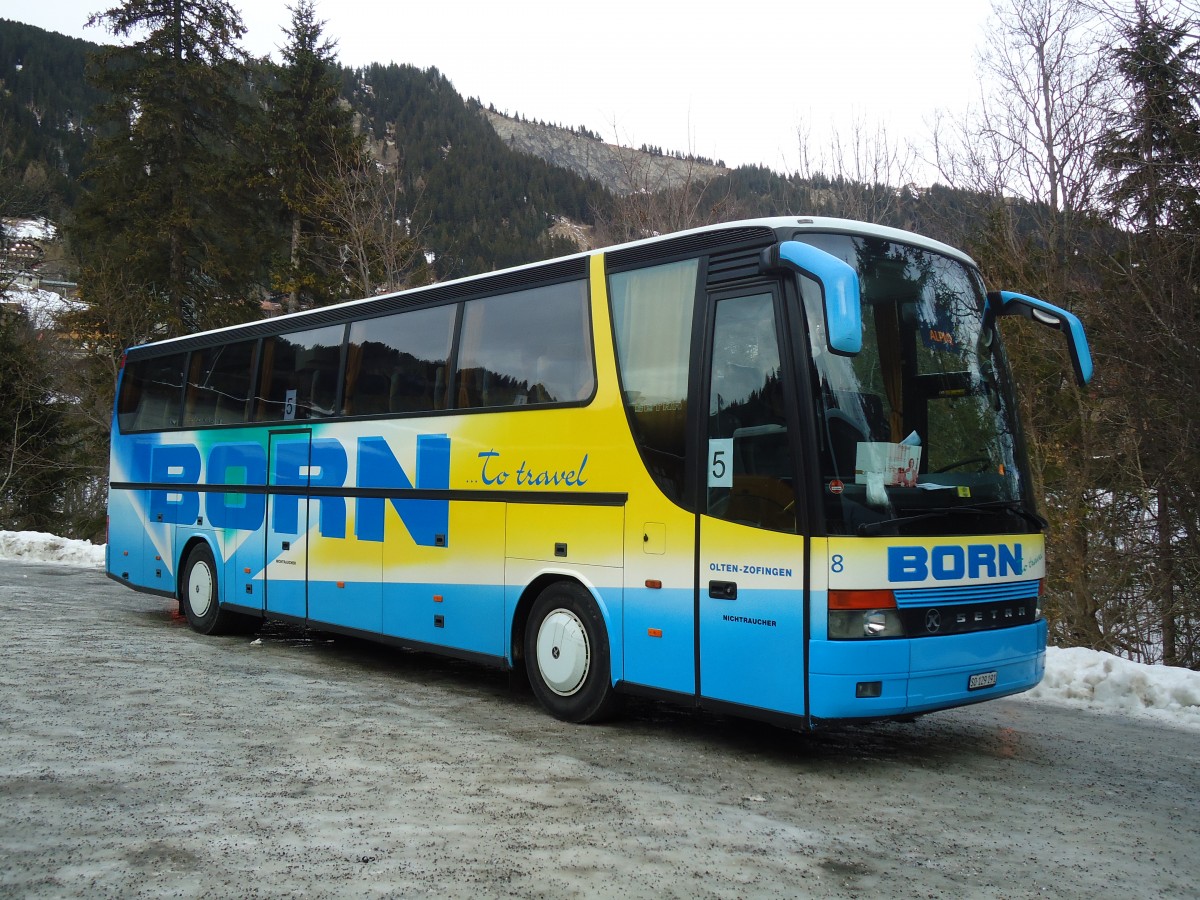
(566, 654)
(201, 596)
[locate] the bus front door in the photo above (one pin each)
(751, 554)
(289, 463)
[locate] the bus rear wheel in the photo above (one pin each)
(201, 595)
(566, 655)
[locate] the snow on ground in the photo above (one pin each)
(1075, 676)
(29, 229)
(43, 307)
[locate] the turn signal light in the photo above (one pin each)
(881, 599)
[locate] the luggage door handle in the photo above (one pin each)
(722, 590)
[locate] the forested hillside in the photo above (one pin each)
(45, 108)
(480, 205)
(475, 203)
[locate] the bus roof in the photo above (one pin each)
(782, 225)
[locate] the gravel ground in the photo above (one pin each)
(138, 759)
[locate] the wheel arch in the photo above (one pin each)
(185, 551)
(520, 619)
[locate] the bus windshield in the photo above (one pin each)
(918, 431)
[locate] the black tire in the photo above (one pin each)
(199, 592)
(566, 655)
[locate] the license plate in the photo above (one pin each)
(981, 680)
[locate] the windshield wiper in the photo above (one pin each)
(992, 506)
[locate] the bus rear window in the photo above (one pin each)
(151, 392)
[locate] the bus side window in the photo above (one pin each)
(298, 375)
(652, 327)
(397, 363)
(219, 384)
(526, 348)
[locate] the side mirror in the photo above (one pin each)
(1007, 303)
(839, 289)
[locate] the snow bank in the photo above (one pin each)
(1100, 681)
(35, 546)
(1075, 677)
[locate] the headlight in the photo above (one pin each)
(855, 615)
(856, 624)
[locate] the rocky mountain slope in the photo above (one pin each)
(621, 170)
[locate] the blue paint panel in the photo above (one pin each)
(126, 535)
(287, 598)
(936, 654)
(752, 649)
(941, 666)
(377, 467)
(290, 465)
(886, 657)
(289, 521)
(666, 662)
(242, 462)
(175, 464)
(354, 606)
(838, 666)
(925, 673)
(832, 697)
(472, 615)
(930, 692)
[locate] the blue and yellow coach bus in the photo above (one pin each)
(772, 468)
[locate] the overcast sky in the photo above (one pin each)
(731, 81)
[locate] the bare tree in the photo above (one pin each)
(661, 194)
(379, 222)
(1041, 109)
(857, 175)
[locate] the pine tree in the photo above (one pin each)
(312, 139)
(1152, 146)
(171, 206)
(1151, 152)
